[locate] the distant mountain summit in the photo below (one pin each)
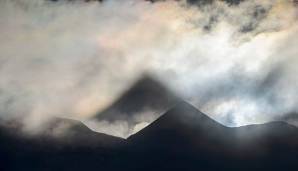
(69, 131)
(184, 132)
(183, 123)
(146, 95)
(196, 142)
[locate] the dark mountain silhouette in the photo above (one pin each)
(183, 138)
(183, 123)
(291, 118)
(186, 139)
(69, 131)
(76, 148)
(147, 94)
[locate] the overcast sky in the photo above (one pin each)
(237, 63)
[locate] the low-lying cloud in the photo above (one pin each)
(236, 62)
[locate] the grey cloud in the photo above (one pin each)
(75, 59)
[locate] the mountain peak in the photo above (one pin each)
(147, 80)
(184, 109)
(187, 114)
(146, 94)
(182, 120)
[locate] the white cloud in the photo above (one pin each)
(72, 59)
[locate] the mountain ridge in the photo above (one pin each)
(183, 138)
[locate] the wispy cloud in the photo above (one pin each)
(73, 59)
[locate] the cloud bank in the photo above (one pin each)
(236, 62)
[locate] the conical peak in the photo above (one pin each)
(146, 94)
(185, 110)
(183, 114)
(147, 80)
(148, 84)
(185, 106)
(182, 120)
(144, 91)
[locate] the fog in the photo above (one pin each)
(236, 63)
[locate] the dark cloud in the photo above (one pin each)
(258, 14)
(206, 2)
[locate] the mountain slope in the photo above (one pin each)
(77, 148)
(146, 95)
(184, 123)
(186, 139)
